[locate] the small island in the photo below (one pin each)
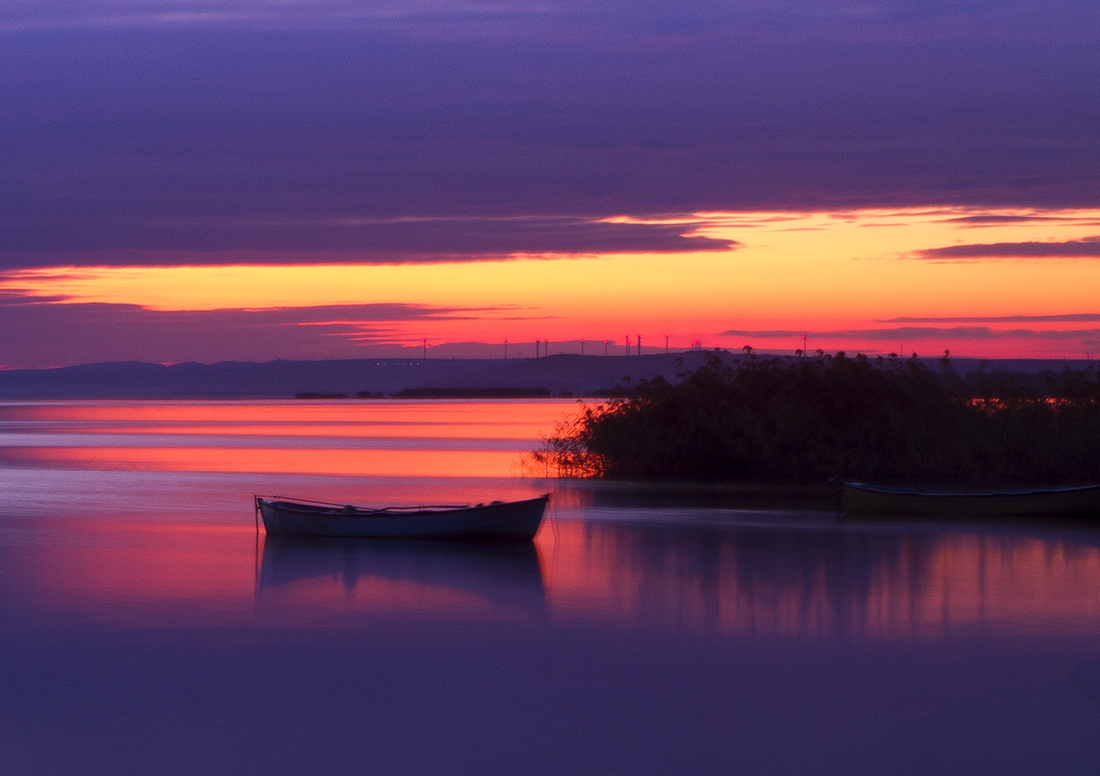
(810, 420)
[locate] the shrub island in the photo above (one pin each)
(811, 420)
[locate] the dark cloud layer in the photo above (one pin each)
(523, 19)
(226, 125)
(896, 333)
(1088, 248)
(1067, 318)
(37, 334)
(204, 131)
(213, 239)
(996, 219)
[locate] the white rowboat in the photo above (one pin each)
(512, 520)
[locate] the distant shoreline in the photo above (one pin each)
(561, 375)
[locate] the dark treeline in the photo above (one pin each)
(813, 419)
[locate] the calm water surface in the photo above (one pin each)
(146, 626)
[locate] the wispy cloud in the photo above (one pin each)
(1088, 248)
(40, 334)
(893, 334)
(319, 14)
(1067, 318)
(1009, 219)
(346, 239)
(891, 19)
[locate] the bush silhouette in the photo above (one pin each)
(813, 419)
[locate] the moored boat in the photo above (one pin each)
(511, 520)
(863, 500)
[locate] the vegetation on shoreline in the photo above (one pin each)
(813, 419)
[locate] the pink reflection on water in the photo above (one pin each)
(114, 570)
(388, 438)
(732, 581)
(894, 584)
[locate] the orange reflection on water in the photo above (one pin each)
(471, 431)
(342, 461)
(458, 419)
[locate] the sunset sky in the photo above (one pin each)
(233, 179)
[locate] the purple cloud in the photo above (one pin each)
(1068, 318)
(220, 126)
(893, 334)
(832, 19)
(214, 239)
(1088, 248)
(1000, 220)
(40, 334)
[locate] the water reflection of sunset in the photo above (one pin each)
(910, 585)
(467, 581)
(341, 461)
(459, 419)
(124, 569)
(743, 581)
(390, 438)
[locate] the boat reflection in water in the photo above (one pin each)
(402, 577)
(812, 580)
(687, 570)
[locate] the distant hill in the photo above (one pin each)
(559, 374)
(564, 374)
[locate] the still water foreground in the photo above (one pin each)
(146, 626)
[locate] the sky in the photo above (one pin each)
(207, 180)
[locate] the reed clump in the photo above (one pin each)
(814, 419)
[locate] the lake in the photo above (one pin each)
(149, 627)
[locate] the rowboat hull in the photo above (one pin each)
(862, 500)
(512, 521)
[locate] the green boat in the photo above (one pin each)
(862, 500)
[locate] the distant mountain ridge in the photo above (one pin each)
(559, 374)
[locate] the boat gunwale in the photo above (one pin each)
(1073, 503)
(889, 490)
(326, 509)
